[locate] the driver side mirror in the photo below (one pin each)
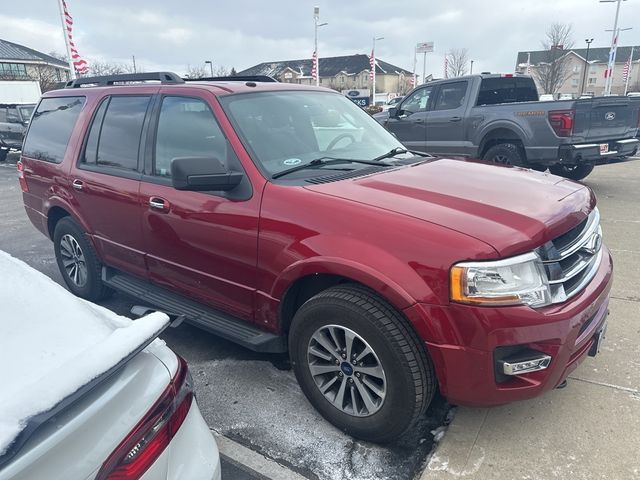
(202, 174)
(393, 112)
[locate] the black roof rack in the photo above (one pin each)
(106, 80)
(234, 78)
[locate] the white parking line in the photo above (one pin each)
(264, 467)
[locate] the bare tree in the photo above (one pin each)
(200, 71)
(457, 62)
(98, 68)
(555, 69)
(47, 76)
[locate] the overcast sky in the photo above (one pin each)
(169, 34)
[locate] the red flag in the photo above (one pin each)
(372, 65)
(314, 65)
(79, 64)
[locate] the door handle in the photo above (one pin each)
(78, 184)
(158, 203)
(455, 119)
(418, 120)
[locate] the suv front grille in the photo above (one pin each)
(572, 259)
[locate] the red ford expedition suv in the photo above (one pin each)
(284, 218)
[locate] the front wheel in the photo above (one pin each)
(360, 364)
(574, 172)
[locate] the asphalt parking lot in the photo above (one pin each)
(253, 401)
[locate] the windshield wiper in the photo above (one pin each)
(319, 162)
(400, 151)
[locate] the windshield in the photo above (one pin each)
(289, 128)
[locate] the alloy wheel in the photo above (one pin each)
(73, 260)
(346, 370)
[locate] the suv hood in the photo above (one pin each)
(512, 209)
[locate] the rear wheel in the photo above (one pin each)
(78, 262)
(506, 154)
(574, 172)
(360, 364)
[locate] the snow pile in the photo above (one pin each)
(52, 343)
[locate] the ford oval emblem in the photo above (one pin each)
(609, 115)
(353, 93)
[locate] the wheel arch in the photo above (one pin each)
(500, 134)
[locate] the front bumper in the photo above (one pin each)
(463, 341)
(589, 152)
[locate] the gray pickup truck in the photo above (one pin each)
(14, 119)
(499, 118)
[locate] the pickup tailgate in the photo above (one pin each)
(603, 119)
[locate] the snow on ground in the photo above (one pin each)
(52, 343)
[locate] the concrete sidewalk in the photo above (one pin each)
(591, 429)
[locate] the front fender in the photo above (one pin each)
(377, 268)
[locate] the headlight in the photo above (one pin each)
(519, 280)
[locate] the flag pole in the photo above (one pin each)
(626, 83)
(72, 70)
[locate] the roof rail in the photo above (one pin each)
(106, 80)
(234, 78)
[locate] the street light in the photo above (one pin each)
(373, 70)
(586, 64)
(316, 18)
(471, 71)
(210, 62)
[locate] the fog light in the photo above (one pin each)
(520, 364)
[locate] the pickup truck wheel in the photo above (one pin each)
(505, 154)
(574, 172)
(360, 364)
(78, 262)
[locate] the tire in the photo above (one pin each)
(574, 172)
(73, 249)
(506, 154)
(399, 366)
(3, 155)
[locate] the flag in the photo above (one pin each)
(612, 58)
(314, 65)
(446, 67)
(372, 65)
(79, 64)
(626, 71)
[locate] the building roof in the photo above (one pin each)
(329, 66)
(10, 51)
(596, 55)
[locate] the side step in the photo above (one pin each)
(216, 322)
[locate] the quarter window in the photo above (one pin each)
(51, 127)
(187, 128)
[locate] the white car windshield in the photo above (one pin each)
(283, 129)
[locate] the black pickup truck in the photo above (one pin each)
(14, 119)
(499, 118)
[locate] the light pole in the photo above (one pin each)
(210, 62)
(316, 18)
(373, 70)
(614, 45)
(586, 64)
(471, 71)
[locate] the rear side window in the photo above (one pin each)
(114, 137)
(51, 128)
(451, 96)
(507, 90)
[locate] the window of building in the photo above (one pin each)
(187, 128)
(13, 69)
(592, 80)
(51, 127)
